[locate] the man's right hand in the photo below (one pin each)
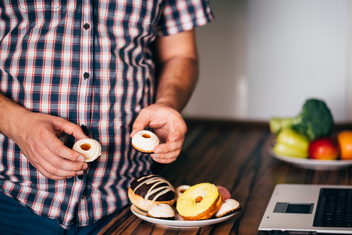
(37, 134)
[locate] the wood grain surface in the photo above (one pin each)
(234, 155)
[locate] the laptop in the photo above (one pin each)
(313, 209)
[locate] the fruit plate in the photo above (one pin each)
(179, 222)
(312, 163)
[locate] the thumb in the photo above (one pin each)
(140, 123)
(73, 129)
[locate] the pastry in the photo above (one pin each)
(199, 202)
(180, 190)
(145, 141)
(228, 207)
(225, 194)
(90, 148)
(161, 211)
(148, 190)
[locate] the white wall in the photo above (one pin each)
(264, 58)
(222, 88)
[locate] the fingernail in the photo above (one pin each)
(80, 159)
(174, 139)
(85, 167)
(80, 172)
(157, 150)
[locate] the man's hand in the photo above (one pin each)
(168, 125)
(178, 71)
(39, 142)
(37, 136)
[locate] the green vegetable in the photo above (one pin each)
(291, 143)
(314, 121)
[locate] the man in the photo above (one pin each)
(77, 69)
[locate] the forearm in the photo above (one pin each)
(177, 81)
(178, 69)
(9, 112)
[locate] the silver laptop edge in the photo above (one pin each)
(292, 208)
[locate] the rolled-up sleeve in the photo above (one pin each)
(183, 15)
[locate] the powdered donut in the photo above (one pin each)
(145, 141)
(229, 206)
(90, 148)
(161, 211)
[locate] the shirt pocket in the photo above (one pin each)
(43, 14)
(35, 7)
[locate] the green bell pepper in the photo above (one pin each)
(291, 143)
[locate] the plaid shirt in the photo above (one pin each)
(91, 63)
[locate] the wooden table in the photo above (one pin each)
(234, 155)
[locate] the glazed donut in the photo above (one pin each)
(228, 207)
(180, 190)
(145, 141)
(199, 202)
(90, 148)
(148, 190)
(161, 211)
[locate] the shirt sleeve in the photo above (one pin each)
(183, 15)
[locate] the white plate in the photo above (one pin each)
(178, 222)
(312, 163)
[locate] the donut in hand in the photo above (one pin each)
(145, 141)
(89, 148)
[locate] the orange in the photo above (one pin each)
(345, 143)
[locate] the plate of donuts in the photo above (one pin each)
(155, 200)
(178, 222)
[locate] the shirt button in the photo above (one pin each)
(86, 26)
(86, 75)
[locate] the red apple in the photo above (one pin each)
(323, 149)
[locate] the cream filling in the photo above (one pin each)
(227, 205)
(89, 148)
(161, 211)
(145, 140)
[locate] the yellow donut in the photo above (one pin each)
(199, 202)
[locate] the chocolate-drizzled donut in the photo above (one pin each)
(148, 190)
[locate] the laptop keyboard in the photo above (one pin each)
(334, 208)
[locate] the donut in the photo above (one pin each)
(145, 191)
(90, 148)
(225, 194)
(199, 202)
(161, 211)
(145, 141)
(180, 190)
(228, 207)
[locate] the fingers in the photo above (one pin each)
(168, 125)
(56, 161)
(46, 152)
(168, 152)
(140, 123)
(70, 129)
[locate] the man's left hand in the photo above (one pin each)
(168, 125)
